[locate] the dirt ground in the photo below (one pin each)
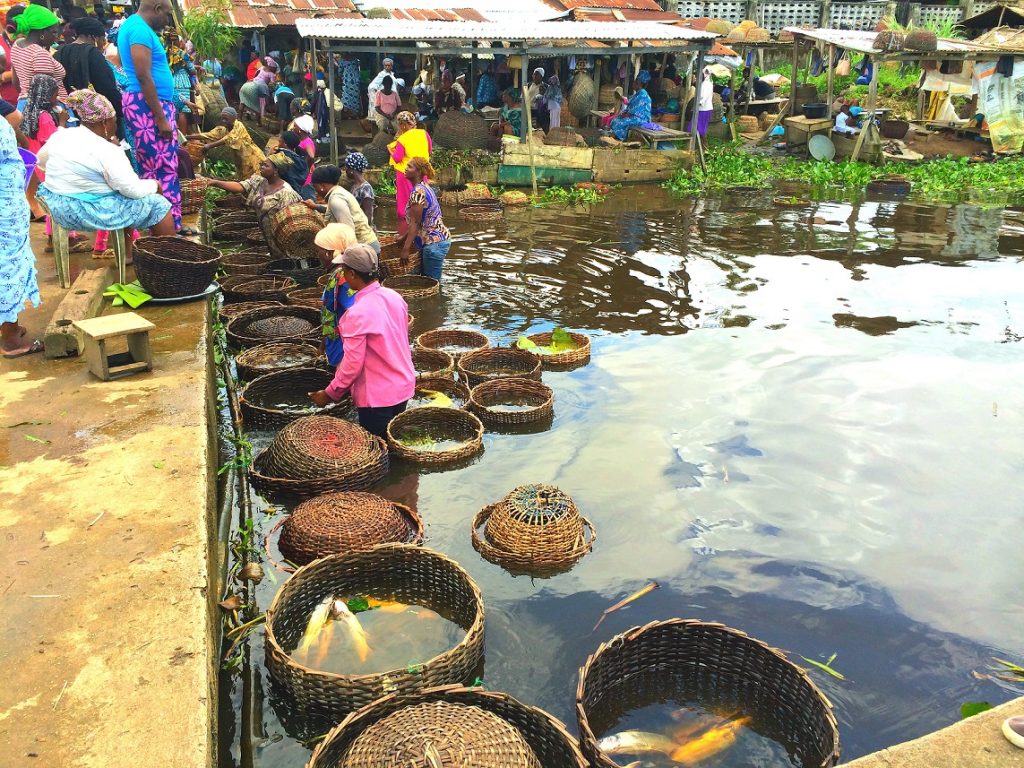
(945, 143)
(104, 499)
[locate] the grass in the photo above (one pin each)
(897, 87)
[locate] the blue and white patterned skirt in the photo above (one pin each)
(105, 212)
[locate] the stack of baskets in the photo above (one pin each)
(470, 727)
(265, 400)
(298, 325)
(535, 529)
(413, 435)
(536, 400)
(232, 227)
(262, 288)
(339, 523)
(193, 195)
(172, 267)
(687, 661)
(248, 262)
(262, 359)
(402, 572)
(461, 130)
(319, 454)
(499, 363)
(293, 229)
(413, 287)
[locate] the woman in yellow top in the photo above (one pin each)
(409, 142)
(233, 134)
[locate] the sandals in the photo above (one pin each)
(187, 232)
(81, 246)
(107, 254)
(34, 348)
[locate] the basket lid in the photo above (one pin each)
(319, 446)
(278, 326)
(337, 523)
(538, 504)
(461, 736)
(534, 520)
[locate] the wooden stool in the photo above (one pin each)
(62, 249)
(97, 330)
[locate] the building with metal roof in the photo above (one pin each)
(263, 14)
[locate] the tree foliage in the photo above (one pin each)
(209, 28)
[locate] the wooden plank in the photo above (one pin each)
(519, 175)
(114, 325)
(82, 301)
(549, 155)
(778, 119)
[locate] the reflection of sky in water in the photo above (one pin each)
(821, 450)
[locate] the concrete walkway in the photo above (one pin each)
(105, 490)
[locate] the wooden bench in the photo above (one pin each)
(596, 116)
(654, 139)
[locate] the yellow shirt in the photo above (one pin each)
(415, 143)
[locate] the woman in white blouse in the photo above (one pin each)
(90, 184)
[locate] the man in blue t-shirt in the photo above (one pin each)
(149, 111)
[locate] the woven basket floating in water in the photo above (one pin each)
(413, 287)
(338, 523)
(262, 359)
(298, 325)
(536, 399)
(684, 661)
(499, 363)
(454, 341)
(456, 390)
(429, 425)
(476, 212)
(171, 267)
(247, 262)
(264, 399)
(402, 572)
(391, 265)
(570, 358)
(460, 746)
(246, 288)
(432, 362)
(535, 529)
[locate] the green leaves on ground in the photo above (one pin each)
(972, 708)
(131, 294)
(826, 667)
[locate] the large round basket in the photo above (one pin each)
(401, 572)
(229, 311)
(258, 289)
(230, 203)
(455, 341)
(314, 455)
(339, 523)
(413, 434)
(450, 388)
(248, 262)
(170, 267)
(490, 402)
(294, 228)
(232, 230)
(535, 530)
(276, 356)
(478, 212)
(461, 130)
(490, 364)
(412, 287)
(685, 660)
(570, 358)
(396, 730)
(391, 261)
(261, 399)
(298, 325)
(432, 363)
(305, 272)
(306, 297)
(193, 195)
(256, 236)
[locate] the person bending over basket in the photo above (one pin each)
(331, 242)
(90, 183)
(426, 229)
(266, 192)
(377, 366)
(341, 205)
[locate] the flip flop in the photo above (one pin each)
(80, 246)
(33, 348)
(187, 232)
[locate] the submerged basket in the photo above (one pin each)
(396, 730)
(305, 272)
(248, 262)
(536, 529)
(285, 324)
(306, 297)
(476, 212)
(435, 424)
(262, 359)
(456, 390)
(294, 228)
(229, 311)
(685, 660)
(489, 364)
(258, 288)
(567, 359)
(432, 363)
(412, 287)
(485, 399)
(338, 523)
(171, 267)
(390, 264)
(402, 572)
(462, 339)
(259, 409)
(193, 195)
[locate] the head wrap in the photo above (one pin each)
(361, 258)
(554, 91)
(11, 18)
(515, 94)
(460, 76)
(90, 107)
(357, 161)
(270, 64)
(41, 95)
(305, 124)
(644, 77)
(618, 92)
(230, 112)
(540, 70)
(36, 17)
(281, 161)
(406, 118)
(335, 237)
(388, 61)
(89, 26)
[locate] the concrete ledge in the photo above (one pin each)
(976, 742)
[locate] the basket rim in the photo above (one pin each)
(483, 389)
(522, 562)
(443, 692)
(587, 734)
(480, 335)
(263, 380)
(452, 454)
(291, 485)
(475, 628)
(514, 351)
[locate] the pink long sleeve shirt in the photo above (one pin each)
(377, 365)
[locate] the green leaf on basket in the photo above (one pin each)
(358, 604)
(972, 708)
(561, 341)
(414, 669)
(525, 343)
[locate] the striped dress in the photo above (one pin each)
(29, 60)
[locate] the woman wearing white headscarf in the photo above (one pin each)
(377, 84)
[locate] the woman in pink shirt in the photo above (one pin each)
(377, 366)
(386, 106)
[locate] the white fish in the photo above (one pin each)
(340, 612)
(317, 620)
(636, 743)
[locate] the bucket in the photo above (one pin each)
(30, 162)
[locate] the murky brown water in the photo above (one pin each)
(804, 423)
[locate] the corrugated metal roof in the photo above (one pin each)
(259, 14)
(490, 9)
(437, 14)
(864, 42)
(626, 15)
(632, 5)
(515, 29)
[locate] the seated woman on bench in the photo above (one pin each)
(638, 113)
(847, 121)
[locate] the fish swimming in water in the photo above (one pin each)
(339, 611)
(709, 743)
(317, 621)
(637, 743)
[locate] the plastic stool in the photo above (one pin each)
(62, 249)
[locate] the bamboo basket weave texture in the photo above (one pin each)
(499, 363)
(293, 229)
(193, 194)
(246, 262)
(261, 397)
(463, 339)
(247, 288)
(456, 390)
(229, 311)
(432, 363)
(484, 399)
(262, 359)
(569, 358)
(438, 424)
(170, 267)
(686, 660)
(547, 737)
(285, 324)
(413, 287)
(403, 572)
